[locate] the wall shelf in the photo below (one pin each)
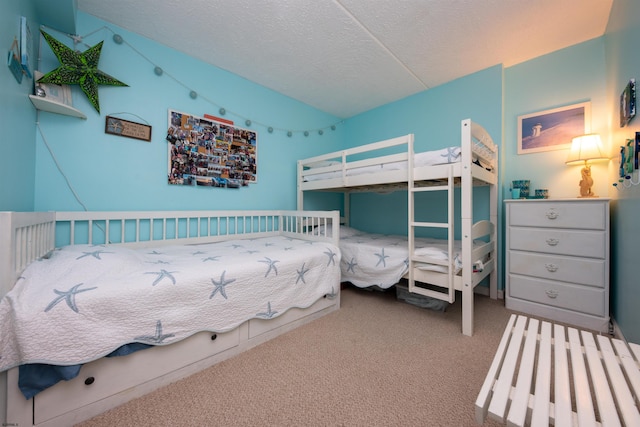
(52, 106)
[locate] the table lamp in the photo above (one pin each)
(585, 148)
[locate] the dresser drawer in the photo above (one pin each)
(563, 242)
(562, 295)
(590, 272)
(573, 215)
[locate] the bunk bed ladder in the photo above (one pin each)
(415, 260)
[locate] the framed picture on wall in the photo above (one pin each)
(628, 103)
(210, 153)
(553, 129)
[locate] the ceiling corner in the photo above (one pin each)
(60, 15)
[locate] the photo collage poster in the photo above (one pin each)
(210, 153)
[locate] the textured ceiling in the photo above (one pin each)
(345, 57)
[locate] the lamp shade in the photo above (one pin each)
(586, 147)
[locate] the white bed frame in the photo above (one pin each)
(109, 382)
(475, 143)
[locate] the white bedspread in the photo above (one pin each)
(426, 158)
(382, 260)
(85, 301)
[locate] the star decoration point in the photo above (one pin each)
(78, 68)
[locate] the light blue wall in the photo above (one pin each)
(622, 64)
(17, 116)
(568, 76)
(110, 173)
(113, 173)
(434, 118)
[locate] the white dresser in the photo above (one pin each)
(557, 260)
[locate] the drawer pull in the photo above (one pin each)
(552, 242)
(551, 293)
(551, 267)
(552, 214)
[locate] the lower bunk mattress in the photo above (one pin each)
(85, 302)
(382, 260)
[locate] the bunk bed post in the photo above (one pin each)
(493, 218)
(466, 194)
(299, 187)
(347, 208)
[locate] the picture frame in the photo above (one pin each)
(209, 152)
(553, 129)
(126, 128)
(25, 46)
(628, 103)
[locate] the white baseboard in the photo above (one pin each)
(483, 290)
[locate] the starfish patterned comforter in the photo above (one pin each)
(381, 260)
(83, 302)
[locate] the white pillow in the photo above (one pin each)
(344, 231)
(432, 253)
(348, 231)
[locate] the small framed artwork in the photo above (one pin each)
(628, 103)
(637, 151)
(553, 129)
(25, 46)
(120, 127)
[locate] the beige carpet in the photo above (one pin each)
(374, 362)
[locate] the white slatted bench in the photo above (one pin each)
(544, 374)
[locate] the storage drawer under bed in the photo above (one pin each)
(107, 376)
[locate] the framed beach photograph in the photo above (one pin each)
(553, 129)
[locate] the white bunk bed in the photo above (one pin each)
(45, 238)
(364, 169)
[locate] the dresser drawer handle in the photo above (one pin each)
(552, 242)
(551, 267)
(552, 214)
(551, 293)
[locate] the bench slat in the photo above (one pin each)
(498, 405)
(604, 399)
(562, 390)
(520, 400)
(621, 391)
(630, 367)
(540, 412)
(635, 349)
(484, 397)
(584, 405)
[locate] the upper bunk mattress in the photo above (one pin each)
(83, 302)
(427, 158)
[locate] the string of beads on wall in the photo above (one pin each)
(629, 163)
(627, 182)
(193, 94)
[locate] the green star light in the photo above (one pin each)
(78, 69)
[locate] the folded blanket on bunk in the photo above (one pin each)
(381, 260)
(84, 301)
